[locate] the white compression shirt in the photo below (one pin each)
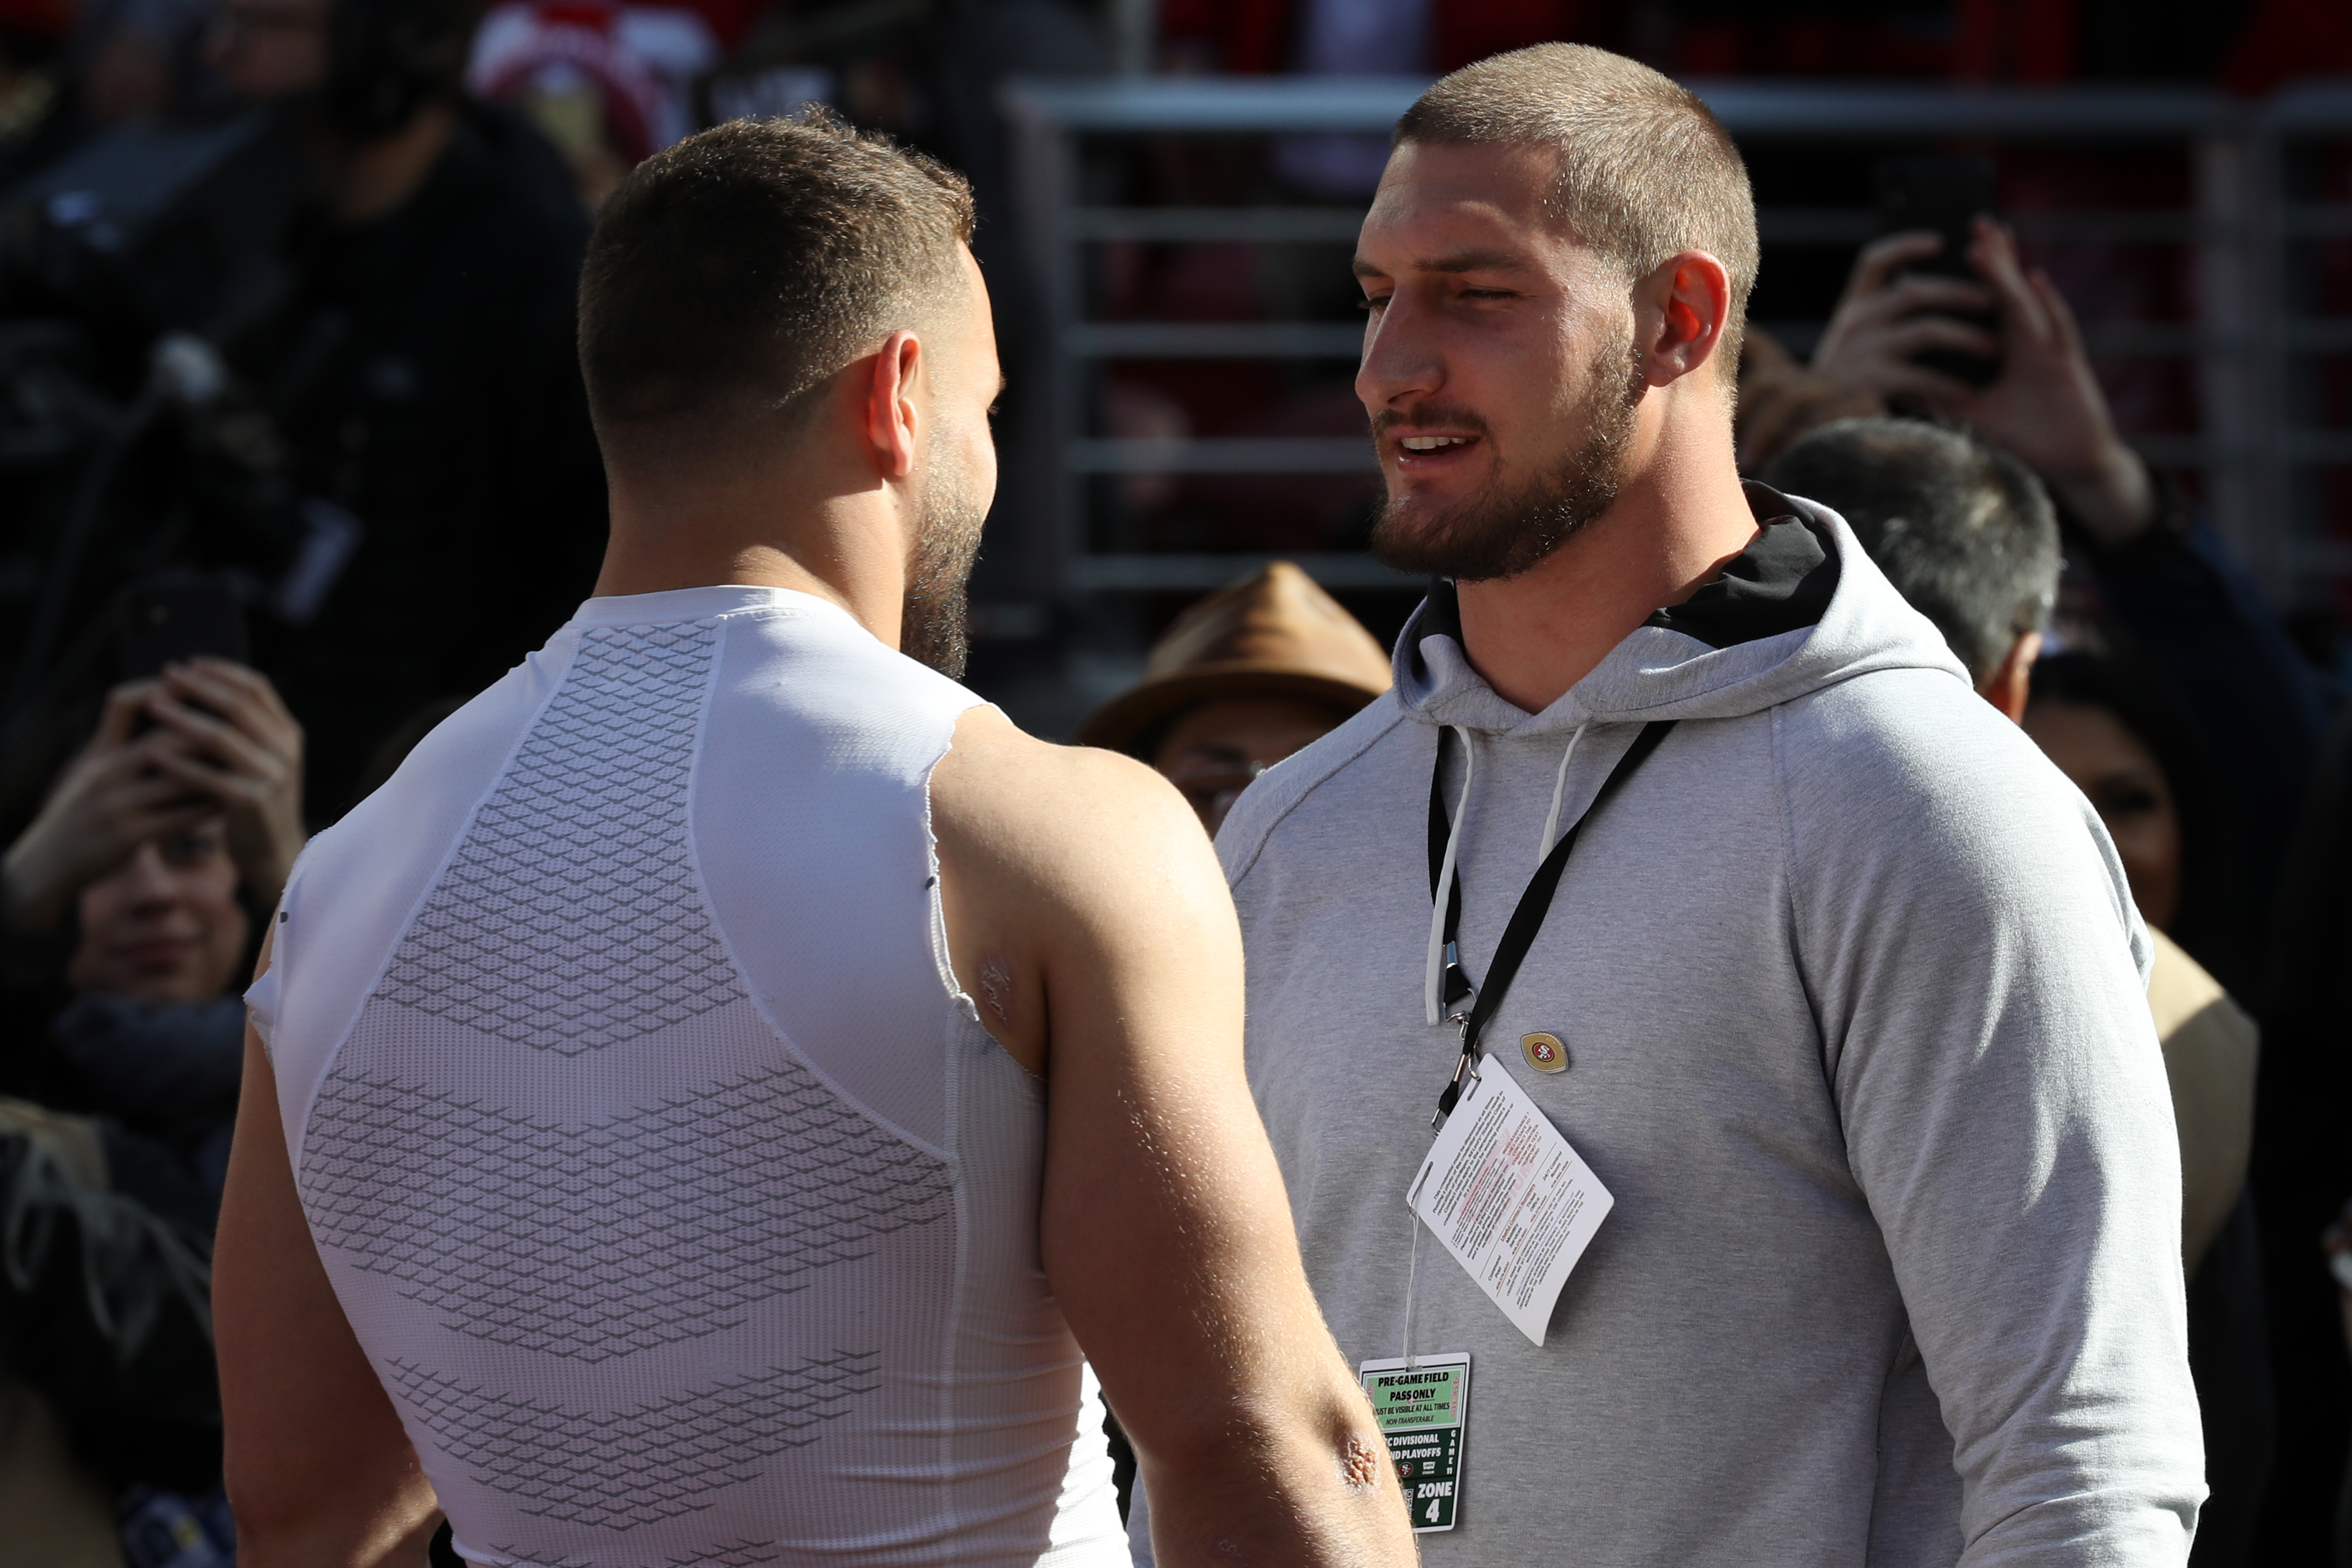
(662, 1168)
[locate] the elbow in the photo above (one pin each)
(273, 1526)
(1307, 1486)
(292, 1526)
(1243, 1441)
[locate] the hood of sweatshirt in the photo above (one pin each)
(1802, 607)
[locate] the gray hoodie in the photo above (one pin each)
(1853, 993)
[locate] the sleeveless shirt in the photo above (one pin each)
(663, 1171)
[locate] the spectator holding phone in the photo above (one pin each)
(131, 906)
(2162, 574)
(2044, 406)
(127, 911)
(204, 747)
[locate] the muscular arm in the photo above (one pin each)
(1965, 931)
(319, 1472)
(1087, 914)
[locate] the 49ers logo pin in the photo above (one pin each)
(1544, 1052)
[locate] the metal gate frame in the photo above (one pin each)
(2288, 338)
(2239, 228)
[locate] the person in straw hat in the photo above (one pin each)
(1244, 678)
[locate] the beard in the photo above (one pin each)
(1506, 532)
(933, 620)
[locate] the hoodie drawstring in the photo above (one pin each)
(1558, 791)
(1433, 976)
(1434, 967)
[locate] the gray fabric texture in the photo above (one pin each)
(1853, 993)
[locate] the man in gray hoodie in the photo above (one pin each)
(1840, 995)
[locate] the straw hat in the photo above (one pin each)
(1274, 633)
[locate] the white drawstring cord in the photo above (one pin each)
(1434, 977)
(1411, 1268)
(1559, 789)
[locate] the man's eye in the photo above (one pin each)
(1371, 302)
(2129, 800)
(1485, 293)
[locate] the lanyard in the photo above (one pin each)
(1527, 918)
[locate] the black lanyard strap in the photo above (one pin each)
(1534, 905)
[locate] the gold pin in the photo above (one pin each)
(1544, 1052)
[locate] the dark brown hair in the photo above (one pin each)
(734, 272)
(1646, 170)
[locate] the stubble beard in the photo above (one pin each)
(934, 620)
(1506, 532)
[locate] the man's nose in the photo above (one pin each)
(1401, 363)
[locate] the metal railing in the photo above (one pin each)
(2295, 450)
(2236, 224)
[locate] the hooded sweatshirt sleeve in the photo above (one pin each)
(1968, 942)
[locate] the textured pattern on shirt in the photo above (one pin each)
(739, 1552)
(536, 932)
(595, 1238)
(639, 1465)
(683, 1209)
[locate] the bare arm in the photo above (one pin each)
(319, 1469)
(1086, 913)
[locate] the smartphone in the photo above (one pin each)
(1943, 194)
(178, 617)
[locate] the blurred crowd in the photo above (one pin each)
(286, 296)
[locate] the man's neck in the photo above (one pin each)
(838, 547)
(370, 180)
(1671, 531)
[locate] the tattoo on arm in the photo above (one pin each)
(996, 989)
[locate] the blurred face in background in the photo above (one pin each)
(1212, 751)
(1498, 370)
(2125, 784)
(166, 925)
(266, 50)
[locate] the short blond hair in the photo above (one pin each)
(1645, 169)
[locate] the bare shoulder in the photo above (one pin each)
(1069, 877)
(1003, 798)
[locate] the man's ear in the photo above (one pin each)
(892, 420)
(1687, 303)
(2010, 685)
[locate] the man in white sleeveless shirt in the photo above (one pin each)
(701, 1108)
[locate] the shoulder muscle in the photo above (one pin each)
(1062, 860)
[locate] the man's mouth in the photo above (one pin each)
(1431, 453)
